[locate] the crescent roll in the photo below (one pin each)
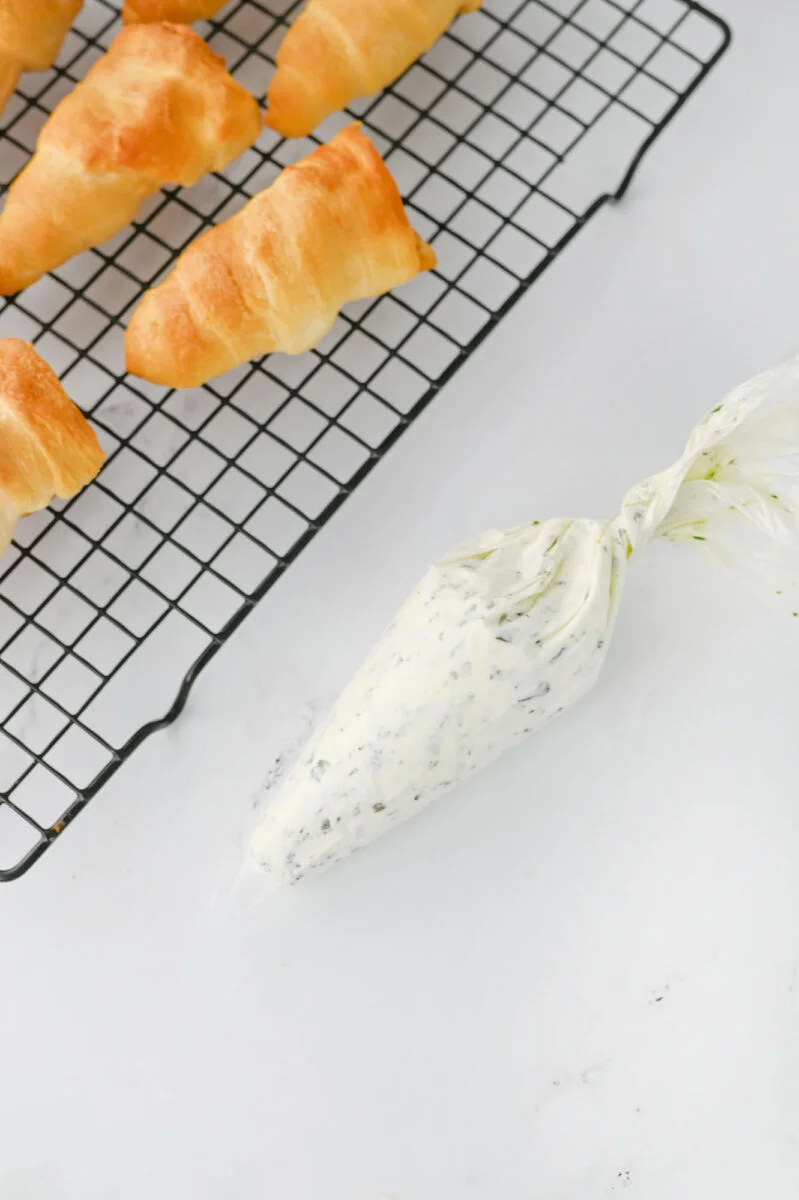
(183, 11)
(31, 34)
(338, 50)
(47, 447)
(158, 108)
(330, 229)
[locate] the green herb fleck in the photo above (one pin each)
(697, 538)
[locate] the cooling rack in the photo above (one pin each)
(505, 139)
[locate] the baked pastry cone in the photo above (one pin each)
(158, 108)
(330, 229)
(31, 34)
(183, 11)
(47, 447)
(338, 50)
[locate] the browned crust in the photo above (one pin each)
(159, 107)
(157, 102)
(332, 228)
(47, 447)
(186, 11)
(338, 50)
(32, 31)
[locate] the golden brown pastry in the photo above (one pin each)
(47, 447)
(183, 11)
(158, 108)
(338, 50)
(31, 34)
(330, 229)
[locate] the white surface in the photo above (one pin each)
(576, 976)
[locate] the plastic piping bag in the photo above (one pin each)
(510, 630)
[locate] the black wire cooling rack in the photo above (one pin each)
(504, 139)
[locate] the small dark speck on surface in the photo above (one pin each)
(591, 1072)
(379, 807)
(273, 775)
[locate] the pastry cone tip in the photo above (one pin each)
(163, 348)
(283, 123)
(290, 110)
(31, 392)
(143, 365)
(10, 71)
(11, 281)
(427, 255)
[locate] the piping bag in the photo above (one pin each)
(513, 628)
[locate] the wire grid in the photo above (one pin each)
(504, 140)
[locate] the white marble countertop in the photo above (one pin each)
(576, 976)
